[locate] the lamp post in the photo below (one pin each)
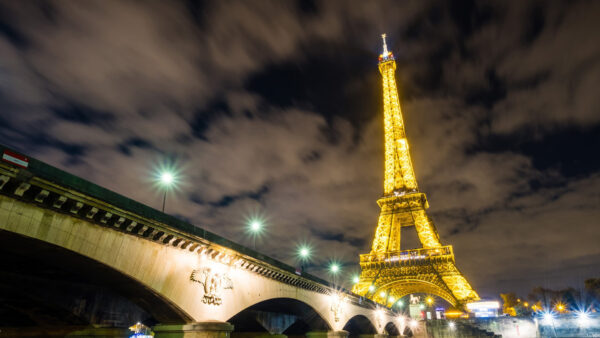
(303, 252)
(255, 228)
(166, 181)
(334, 268)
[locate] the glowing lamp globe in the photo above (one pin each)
(255, 226)
(304, 252)
(334, 268)
(166, 178)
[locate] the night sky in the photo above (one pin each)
(274, 109)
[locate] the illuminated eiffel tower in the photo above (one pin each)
(389, 273)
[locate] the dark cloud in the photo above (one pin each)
(273, 109)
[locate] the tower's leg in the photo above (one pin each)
(384, 227)
(426, 230)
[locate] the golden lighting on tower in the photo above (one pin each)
(430, 269)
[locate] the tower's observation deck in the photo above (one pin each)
(389, 271)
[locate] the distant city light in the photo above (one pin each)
(583, 318)
(355, 279)
(547, 318)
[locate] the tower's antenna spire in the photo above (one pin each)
(385, 50)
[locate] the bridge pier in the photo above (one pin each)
(327, 334)
(212, 329)
(375, 335)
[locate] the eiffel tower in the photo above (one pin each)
(387, 272)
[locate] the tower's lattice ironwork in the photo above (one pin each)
(387, 271)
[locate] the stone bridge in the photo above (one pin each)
(78, 258)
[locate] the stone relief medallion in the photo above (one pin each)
(214, 283)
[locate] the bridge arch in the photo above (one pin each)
(391, 329)
(287, 316)
(52, 280)
(359, 325)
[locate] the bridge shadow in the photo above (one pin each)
(279, 316)
(44, 285)
(359, 325)
(392, 329)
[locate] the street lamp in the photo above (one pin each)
(166, 180)
(255, 227)
(334, 268)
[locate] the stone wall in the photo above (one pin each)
(507, 326)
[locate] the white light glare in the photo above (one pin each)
(413, 323)
(547, 318)
(451, 325)
(583, 318)
(255, 225)
(304, 252)
(166, 178)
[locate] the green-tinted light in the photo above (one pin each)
(304, 252)
(355, 279)
(255, 226)
(166, 178)
(335, 268)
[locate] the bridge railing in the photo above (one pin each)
(408, 256)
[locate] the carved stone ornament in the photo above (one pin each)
(337, 301)
(214, 283)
